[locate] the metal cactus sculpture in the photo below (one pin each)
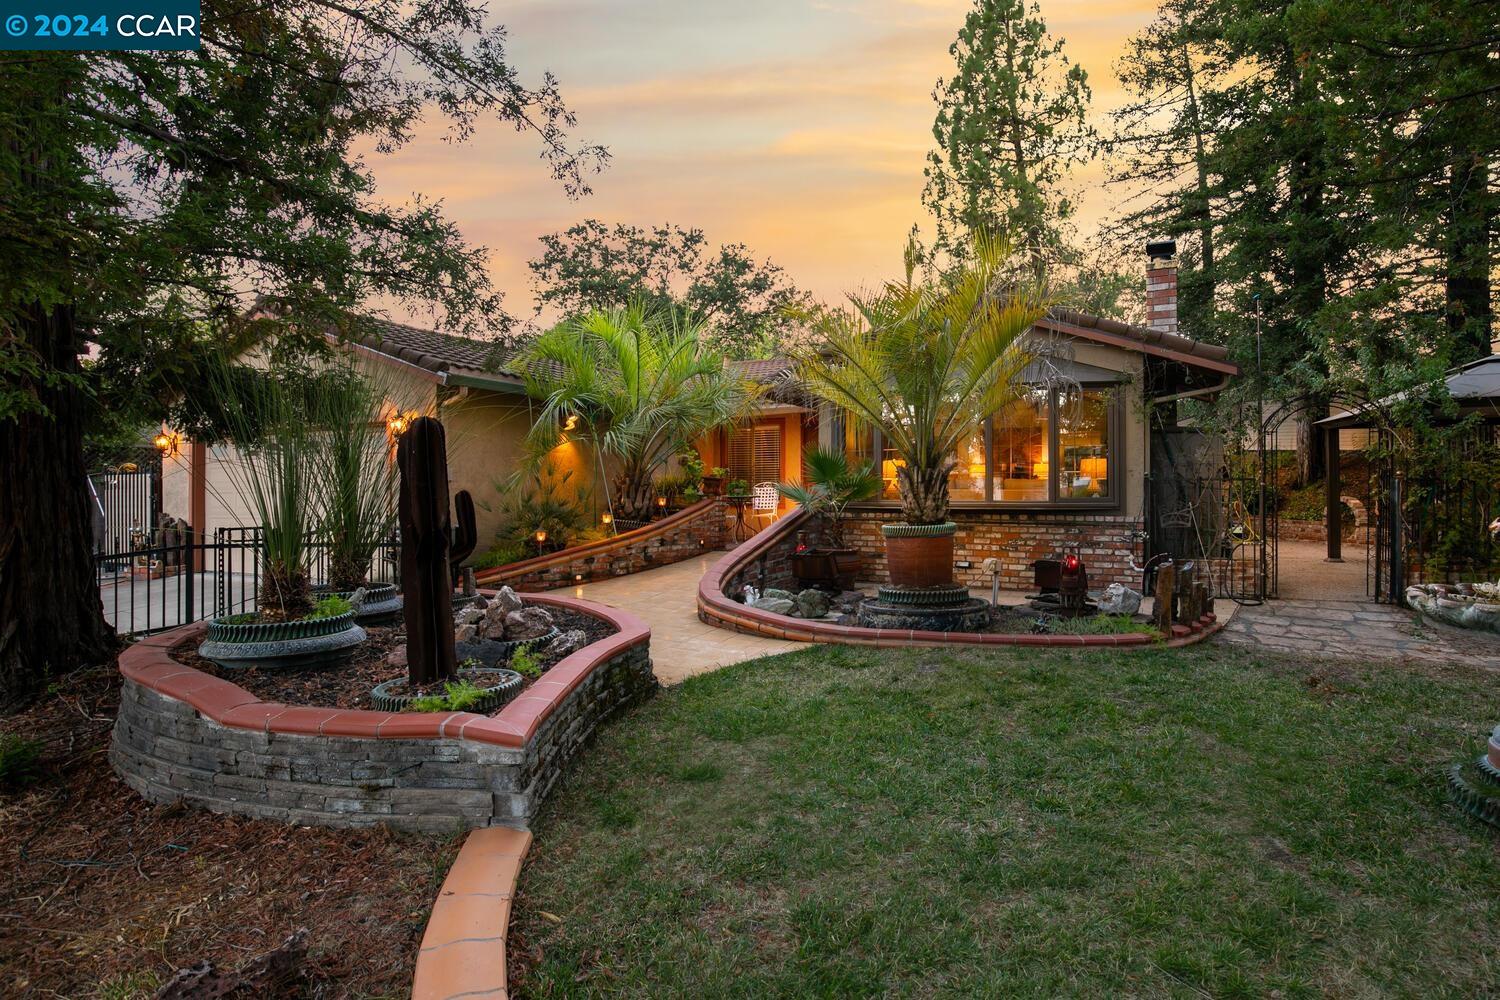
(426, 532)
(465, 536)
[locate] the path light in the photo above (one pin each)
(167, 442)
(540, 536)
(606, 518)
(661, 502)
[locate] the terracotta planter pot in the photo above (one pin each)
(713, 486)
(919, 555)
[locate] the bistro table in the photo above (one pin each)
(740, 530)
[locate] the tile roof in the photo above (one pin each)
(435, 351)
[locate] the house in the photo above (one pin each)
(465, 382)
(1079, 462)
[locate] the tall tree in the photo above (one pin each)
(1162, 138)
(745, 305)
(146, 194)
(1009, 123)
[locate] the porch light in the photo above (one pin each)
(397, 423)
(167, 442)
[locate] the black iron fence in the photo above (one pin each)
(161, 584)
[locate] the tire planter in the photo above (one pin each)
(919, 555)
(382, 604)
(281, 645)
(506, 685)
(493, 652)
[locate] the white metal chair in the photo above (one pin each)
(764, 501)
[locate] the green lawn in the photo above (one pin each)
(848, 822)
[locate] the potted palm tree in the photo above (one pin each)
(642, 383)
(924, 360)
(831, 484)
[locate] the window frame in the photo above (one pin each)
(1115, 455)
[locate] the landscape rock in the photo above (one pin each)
(357, 599)
(1119, 599)
(396, 658)
(492, 621)
(812, 604)
(466, 633)
(527, 623)
(570, 641)
(468, 616)
(779, 594)
(775, 605)
(507, 600)
(480, 602)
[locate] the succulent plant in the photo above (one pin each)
(426, 534)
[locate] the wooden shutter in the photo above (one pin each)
(755, 454)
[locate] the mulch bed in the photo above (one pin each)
(348, 685)
(103, 894)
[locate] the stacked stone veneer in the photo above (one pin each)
(421, 772)
(688, 533)
(1017, 540)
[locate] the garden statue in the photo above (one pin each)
(426, 532)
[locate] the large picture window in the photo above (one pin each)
(1050, 446)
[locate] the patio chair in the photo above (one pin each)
(764, 501)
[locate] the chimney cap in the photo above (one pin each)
(1161, 248)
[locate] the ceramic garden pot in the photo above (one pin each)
(919, 555)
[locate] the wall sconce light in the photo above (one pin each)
(168, 443)
(397, 423)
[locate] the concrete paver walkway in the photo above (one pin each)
(667, 599)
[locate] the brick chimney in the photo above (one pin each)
(1161, 285)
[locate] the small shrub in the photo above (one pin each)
(20, 761)
(330, 606)
(1101, 625)
(524, 662)
(504, 553)
(457, 696)
(737, 488)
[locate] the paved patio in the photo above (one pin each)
(1323, 613)
(667, 599)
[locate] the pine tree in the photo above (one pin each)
(1010, 121)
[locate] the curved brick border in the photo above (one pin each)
(185, 734)
(463, 948)
(716, 608)
(686, 534)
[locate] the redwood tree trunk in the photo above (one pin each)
(51, 618)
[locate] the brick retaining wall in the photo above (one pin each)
(684, 535)
(185, 735)
(1017, 540)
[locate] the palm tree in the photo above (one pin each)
(925, 359)
(641, 384)
(831, 484)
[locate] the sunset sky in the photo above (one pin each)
(798, 127)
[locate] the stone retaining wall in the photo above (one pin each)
(684, 535)
(185, 735)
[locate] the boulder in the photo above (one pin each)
(812, 604)
(779, 594)
(492, 622)
(468, 616)
(527, 623)
(776, 605)
(480, 602)
(466, 633)
(1119, 599)
(507, 600)
(570, 641)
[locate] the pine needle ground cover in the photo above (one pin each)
(843, 822)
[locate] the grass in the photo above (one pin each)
(848, 822)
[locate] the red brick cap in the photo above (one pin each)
(150, 664)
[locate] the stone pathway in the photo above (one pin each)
(667, 599)
(1358, 630)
